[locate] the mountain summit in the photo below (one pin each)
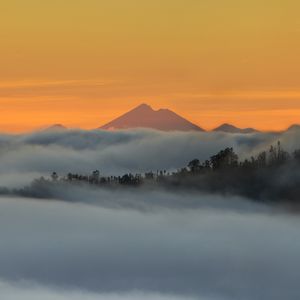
(55, 127)
(143, 116)
(294, 127)
(233, 129)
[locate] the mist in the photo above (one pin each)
(29, 291)
(80, 241)
(56, 249)
(28, 156)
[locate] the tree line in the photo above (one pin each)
(271, 175)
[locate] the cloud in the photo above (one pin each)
(146, 243)
(60, 249)
(29, 84)
(115, 153)
(157, 198)
(245, 94)
(31, 291)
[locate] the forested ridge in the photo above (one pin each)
(272, 175)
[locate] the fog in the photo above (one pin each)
(24, 157)
(29, 291)
(83, 242)
(56, 249)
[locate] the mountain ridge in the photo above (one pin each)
(229, 128)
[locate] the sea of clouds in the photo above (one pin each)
(58, 250)
(139, 244)
(25, 157)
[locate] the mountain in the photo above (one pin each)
(233, 129)
(55, 127)
(143, 116)
(294, 127)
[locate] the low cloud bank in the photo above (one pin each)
(23, 157)
(145, 199)
(148, 244)
(206, 253)
(31, 291)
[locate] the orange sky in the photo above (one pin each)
(84, 62)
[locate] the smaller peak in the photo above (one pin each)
(225, 125)
(228, 125)
(294, 127)
(56, 127)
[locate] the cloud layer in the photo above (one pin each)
(202, 253)
(25, 157)
(29, 291)
(148, 244)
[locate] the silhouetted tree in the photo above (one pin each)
(296, 154)
(226, 158)
(206, 164)
(194, 165)
(54, 176)
(277, 155)
(149, 175)
(94, 178)
(261, 159)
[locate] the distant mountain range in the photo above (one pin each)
(144, 116)
(233, 129)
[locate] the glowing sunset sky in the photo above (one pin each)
(84, 62)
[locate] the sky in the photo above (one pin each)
(85, 62)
